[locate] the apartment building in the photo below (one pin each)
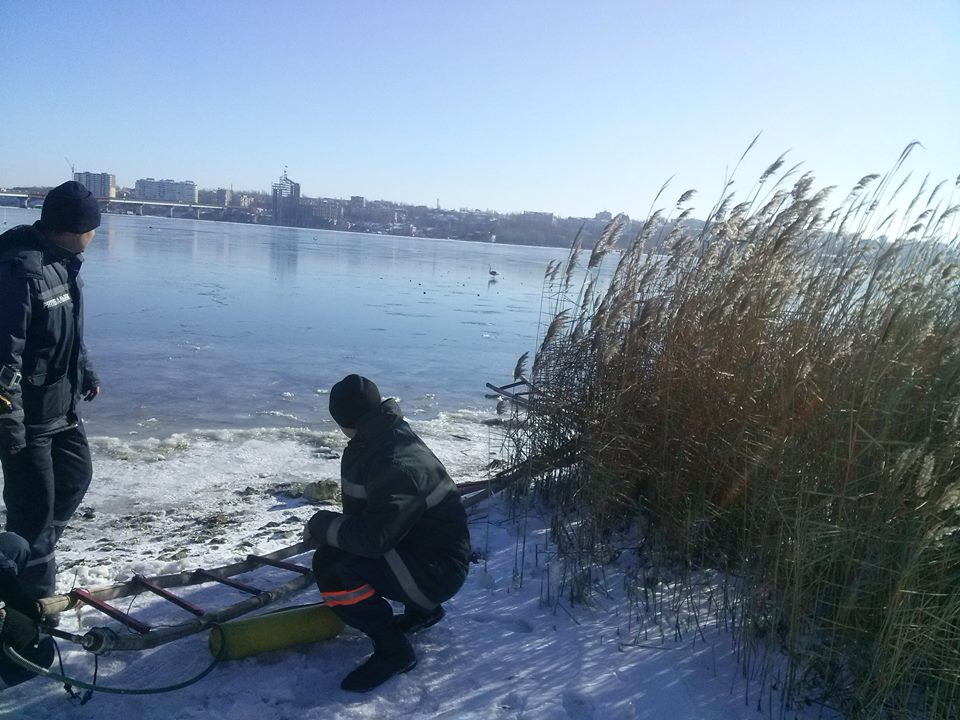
(166, 190)
(102, 185)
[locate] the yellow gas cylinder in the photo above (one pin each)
(278, 629)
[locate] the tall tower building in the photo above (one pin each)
(102, 185)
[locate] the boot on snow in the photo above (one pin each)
(414, 619)
(392, 655)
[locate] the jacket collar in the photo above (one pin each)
(377, 421)
(74, 260)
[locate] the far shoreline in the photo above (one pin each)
(36, 210)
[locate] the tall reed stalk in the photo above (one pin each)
(776, 394)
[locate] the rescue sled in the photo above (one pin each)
(137, 634)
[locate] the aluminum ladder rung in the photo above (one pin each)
(229, 582)
(83, 596)
(169, 596)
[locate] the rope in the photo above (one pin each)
(69, 682)
(86, 696)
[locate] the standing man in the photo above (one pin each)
(403, 533)
(44, 371)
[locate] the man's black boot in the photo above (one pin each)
(414, 619)
(392, 655)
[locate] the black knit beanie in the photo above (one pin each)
(70, 207)
(352, 398)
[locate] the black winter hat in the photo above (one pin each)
(70, 207)
(352, 398)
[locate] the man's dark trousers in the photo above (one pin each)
(354, 588)
(43, 485)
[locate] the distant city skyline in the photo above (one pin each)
(105, 186)
(564, 107)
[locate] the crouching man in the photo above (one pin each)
(19, 615)
(402, 536)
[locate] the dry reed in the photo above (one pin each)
(775, 394)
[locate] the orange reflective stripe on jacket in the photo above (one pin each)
(348, 597)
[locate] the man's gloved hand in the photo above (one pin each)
(22, 636)
(316, 530)
(17, 630)
(12, 438)
(14, 597)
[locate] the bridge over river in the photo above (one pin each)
(29, 200)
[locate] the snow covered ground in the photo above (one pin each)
(242, 328)
(502, 651)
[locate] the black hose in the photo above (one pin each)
(24, 663)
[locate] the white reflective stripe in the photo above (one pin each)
(60, 523)
(40, 561)
(439, 493)
(406, 580)
(332, 529)
(353, 489)
(54, 291)
(433, 498)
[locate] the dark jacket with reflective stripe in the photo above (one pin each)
(398, 496)
(41, 335)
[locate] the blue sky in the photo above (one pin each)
(565, 107)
